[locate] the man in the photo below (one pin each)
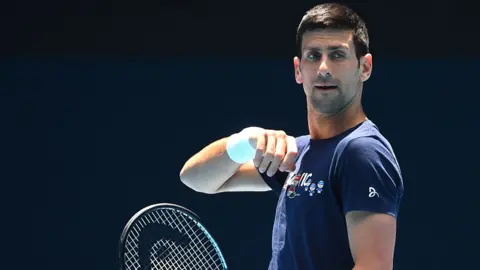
(340, 186)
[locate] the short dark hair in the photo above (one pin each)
(337, 17)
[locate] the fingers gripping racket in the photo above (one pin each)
(168, 236)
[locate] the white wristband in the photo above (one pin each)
(239, 149)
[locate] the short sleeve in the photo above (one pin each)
(369, 177)
(276, 181)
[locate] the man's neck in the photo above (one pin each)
(324, 127)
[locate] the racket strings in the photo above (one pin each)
(186, 261)
(190, 253)
(204, 241)
(172, 248)
(202, 262)
(199, 254)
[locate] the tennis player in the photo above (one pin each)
(340, 186)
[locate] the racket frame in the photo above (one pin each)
(144, 211)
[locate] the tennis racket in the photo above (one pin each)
(168, 236)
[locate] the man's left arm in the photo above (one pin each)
(372, 240)
(371, 188)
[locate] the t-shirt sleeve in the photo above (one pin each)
(276, 181)
(369, 178)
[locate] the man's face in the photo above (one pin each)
(329, 70)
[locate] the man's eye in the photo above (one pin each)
(337, 55)
(313, 56)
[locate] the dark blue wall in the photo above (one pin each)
(108, 137)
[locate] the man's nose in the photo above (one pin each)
(324, 69)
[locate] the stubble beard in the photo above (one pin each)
(331, 105)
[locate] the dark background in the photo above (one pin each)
(103, 102)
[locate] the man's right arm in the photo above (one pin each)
(211, 170)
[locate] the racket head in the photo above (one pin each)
(137, 217)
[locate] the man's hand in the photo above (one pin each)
(275, 150)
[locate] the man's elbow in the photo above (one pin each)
(188, 180)
(196, 187)
(194, 184)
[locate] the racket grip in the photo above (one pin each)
(239, 149)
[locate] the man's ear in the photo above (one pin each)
(298, 73)
(366, 66)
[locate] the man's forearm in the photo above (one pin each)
(209, 169)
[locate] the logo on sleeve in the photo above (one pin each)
(372, 192)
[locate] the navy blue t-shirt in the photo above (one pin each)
(356, 170)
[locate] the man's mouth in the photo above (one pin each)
(325, 87)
